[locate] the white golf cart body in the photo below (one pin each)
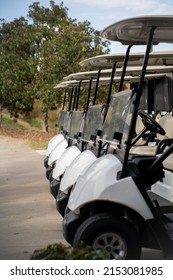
(65, 160)
(57, 152)
(99, 183)
(110, 184)
(164, 188)
(55, 140)
(76, 168)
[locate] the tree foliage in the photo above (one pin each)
(36, 54)
(18, 66)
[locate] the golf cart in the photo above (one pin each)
(113, 205)
(101, 61)
(135, 59)
(59, 147)
(92, 122)
(62, 124)
(76, 129)
(105, 142)
(61, 157)
(92, 116)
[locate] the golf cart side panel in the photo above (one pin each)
(164, 188)
(53, 142)
(76, 168)
(65, 160)
(57, 151)
(99, 183)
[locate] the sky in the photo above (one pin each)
(100, 13)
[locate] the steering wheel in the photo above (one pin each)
(150, 123)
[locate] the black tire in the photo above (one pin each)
(107, 231)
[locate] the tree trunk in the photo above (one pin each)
(0, 109)
(0, 114)
(45, 122)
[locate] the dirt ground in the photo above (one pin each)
(28, 216)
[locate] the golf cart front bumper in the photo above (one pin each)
(71, 223)
(61, 202)
(54, 187)
(49, 169)
(45, 162)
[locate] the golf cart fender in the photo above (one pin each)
(57, 151)
(99, 183)
(53, 142)
(77, 167)
(64, 161)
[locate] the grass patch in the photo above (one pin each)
(34, 137)
(33, 122)
(6, 120)
(37, 145)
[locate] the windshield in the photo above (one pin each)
(118, 121)
(116, 115)
(66, 122)
(61, 118)
(75, 123)
(93, 121)
(127, 116)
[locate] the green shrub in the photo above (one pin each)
(59, 251)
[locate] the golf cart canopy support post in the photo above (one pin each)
(64, 100)
(78, 93)
(137, 101)
(96, 87)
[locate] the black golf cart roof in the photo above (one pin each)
(134, 31)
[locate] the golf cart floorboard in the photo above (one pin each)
(169, 225)
(165, 205)
(166, 208)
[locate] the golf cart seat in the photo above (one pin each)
(163, 88)
(159, 92)
(151, 149)
(168, 162)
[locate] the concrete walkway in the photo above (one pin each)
(28, 217)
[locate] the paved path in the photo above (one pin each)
(28, 217)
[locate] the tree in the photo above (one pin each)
(35, 56)
(63, 43)
(18, 66)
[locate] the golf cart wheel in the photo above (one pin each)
(111, 233)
